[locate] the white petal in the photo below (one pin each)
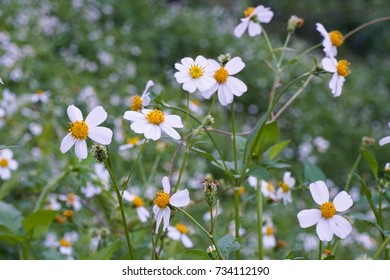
(186, 241)
(139, 126)
(166, 184)
(153, 132)
(13, 164)
(204, 83)
(180, 199)
(158, 217)
(128, 196)
(184, 69)
(173, 233)
(310, 217)
(5, 173)
(235, 65)
(333, 84)
(342, 201)
(100, 134)
(182, 77)
(145, 100)
(149, 84)
(329, 64)
(225, 96)
(319, 191)
(67, 143)
(241, 28)
(236, 86)
(320, 28)
(339, 85)
(341, 227)
(254, 29)
(170, 131)
(156, 210)
(263, 14)
(6, 153)
(66, 250)
(143, 214)
(81, 149)
(384, 141)
(166, 217)
(269, 241)
(173, 121)
(96, 117)
(190, 86)
(208, 93)
(200, 60)
(74, 113)
(133, 116)
(324, 230)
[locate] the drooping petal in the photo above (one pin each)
(96, 116)
(143, 214)
(254, 29)
(235, 65)
(241, 28)
(384, 141)
(319, 191)
(74, 113)
(100, 134)
(166, 184)
(208, 93)
(173, 233)
(310, 217)
(329, 64)
(5, 173)
(225, 96)
(186, 241)
(133, 116)
(269, 241)
(180, 199)
(339, 85)
(341, 227)
(320, 28)
(81, 149)
(324, 230)
(333, 84)
(67, 143)
(149, 84)
(170, 131)
(153, 132)
(156, 209)
(166, 217)
(342, 201)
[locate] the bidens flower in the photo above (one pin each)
(179, 232)
(284, 190)
(72, 200)
(81, 129)
(138, 204)
(226, 85)
(269, 240)
(194, 75)
(7, 163)
(340, 70)
(163, 200)
(331, 40)
(383, 141)
(152, 122)
(252, 20)
(328, 223)
(138, 102)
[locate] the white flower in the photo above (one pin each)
(138, 204)
(328, 223)
(90, 190)
(340, 70)
(51, 240)
(269, 240)
(80, 129)
(131, 143)
(226, 85)
(101, 175)
(53, 203)
(163, 200)
(40, 96)
(71, 200)
(284, 190)
(7, 163)
(252, 20)
(384, 141)
(152, 122)
(321, 144)
(268, 189)
(194, 75)
(65, 244)
(138, 102)
(179, 232)
(331, 40)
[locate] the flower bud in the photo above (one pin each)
(368, 141)
(99, 152)
(224, 58)
(293, 23)
(210, 189)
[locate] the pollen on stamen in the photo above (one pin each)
(79, 130)
(162, 199)
(343, 68)
(196, 72)
(221, 75)
(155, 117)
(336, 38)
(248, 11)
(64, 243)
(328, 210)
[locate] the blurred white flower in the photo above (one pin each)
(131, 143)
(179, 232)
(72, 200)
(251, 21)
(90, 190)
(138, 204)
(284, 190)
(269, 240)
(53, 203)
(40, 96)
(268, 189)
(340, 70)
(8, 102)
(65, 244)
(7, 164)
(321, 144)
(139, 102)
(331, 40)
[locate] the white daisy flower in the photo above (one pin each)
(138, 204)
(152, 122)
(226, 85)
(251, 21)
(139, 102)
(194, 75)
(268, 189)
(90, 190)
(284, 190)
(51, 240)
(163, 200)
(384, 141)
(340, 70)
(72, 200)
(269, 240)
(328, 223)
(179, 232)
(65, 244)
(80, 129)
(331, 40)
(7, 164)
(131, 143)
(40, 96)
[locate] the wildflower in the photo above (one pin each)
(80, 129)
(331, 40)
(321, 144)
(72, 200)
(90, 190)
(284, 190)
(179, 232)
(269, 240)
(40, 96)
(226, 85)
(138, 204)
(194, 75)
(152, 122)
(131, 143)
(138, 102)
(268, 189)
(53, 203)
(7, 163)
(340, 70)
(385, 140)
(328, 223)
(252, 20)
(294, 22)
(65, 244)
(164, 200)
(101, 175)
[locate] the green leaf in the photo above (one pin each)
(365, 188)
(371, 161)
(200, 253)
(312, 172)
(10, 217)
(39, 222)
(240, 143)
(328, 258)
(258, 172)
(105, 253)
(228, 244)
(273, 151)
(291, 255)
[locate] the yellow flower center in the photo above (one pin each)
(64, 243)
(221, 75)
(68, 214)
(195, 102)
(270, 187)
(248, 11)
(136, 103)
(241, 190)
(343, 68)
(40, 92)
(155, 117)
(162, 199)
(196, 72)
(336, 37)
(269, 230)
(138, 202)
(181, 228)
(328, 210)
(3, 163)
(70, 198)
(133, 140)
(284, 186)
(79, 130)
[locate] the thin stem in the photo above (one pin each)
(259, 206)
(234, 137)
(364, 25)
(211, 218)
(298, 57)
(353, 169)
(183, 165)
(269, 46)
(284, 47)
(320, 250)
(383, 245)
(237, 218)
(124, 186)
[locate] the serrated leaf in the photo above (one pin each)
(39, 222)
(312, 172)
(10, 217)
(197, 252)
(371, 161)
(258, 172)
(105, 253)
(228, 244)
(274, 150)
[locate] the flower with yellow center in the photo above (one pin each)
(138, 102)
(251, 21)
(269, 240)
(152, 122)
(194, 74)
(65, 244)
(284, 190)
(331, 40)
(7, 164)
(226, 85)
(179, 232)
(328, 222)
(340, 70)
(131, 143)
(72, 200)
(336, 38)
(80, 130)
(164, 200)
(40, 96)
(268, 189)
(138, 203)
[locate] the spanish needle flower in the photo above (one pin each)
(138, 203)
(331, 40)
(179, 232)
(7, 164)
(251, 21)
(284, 190)
(139, 102)
(340, 70)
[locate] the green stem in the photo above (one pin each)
(283, 51)
(259, 200)
(234, 137)
(298, 57)
(320, 250)
(353, 169)
(182, 167)
(211, 219)
(237, 217)
(383, 245)
(364, 25)
(269, 46)
(124, 186)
